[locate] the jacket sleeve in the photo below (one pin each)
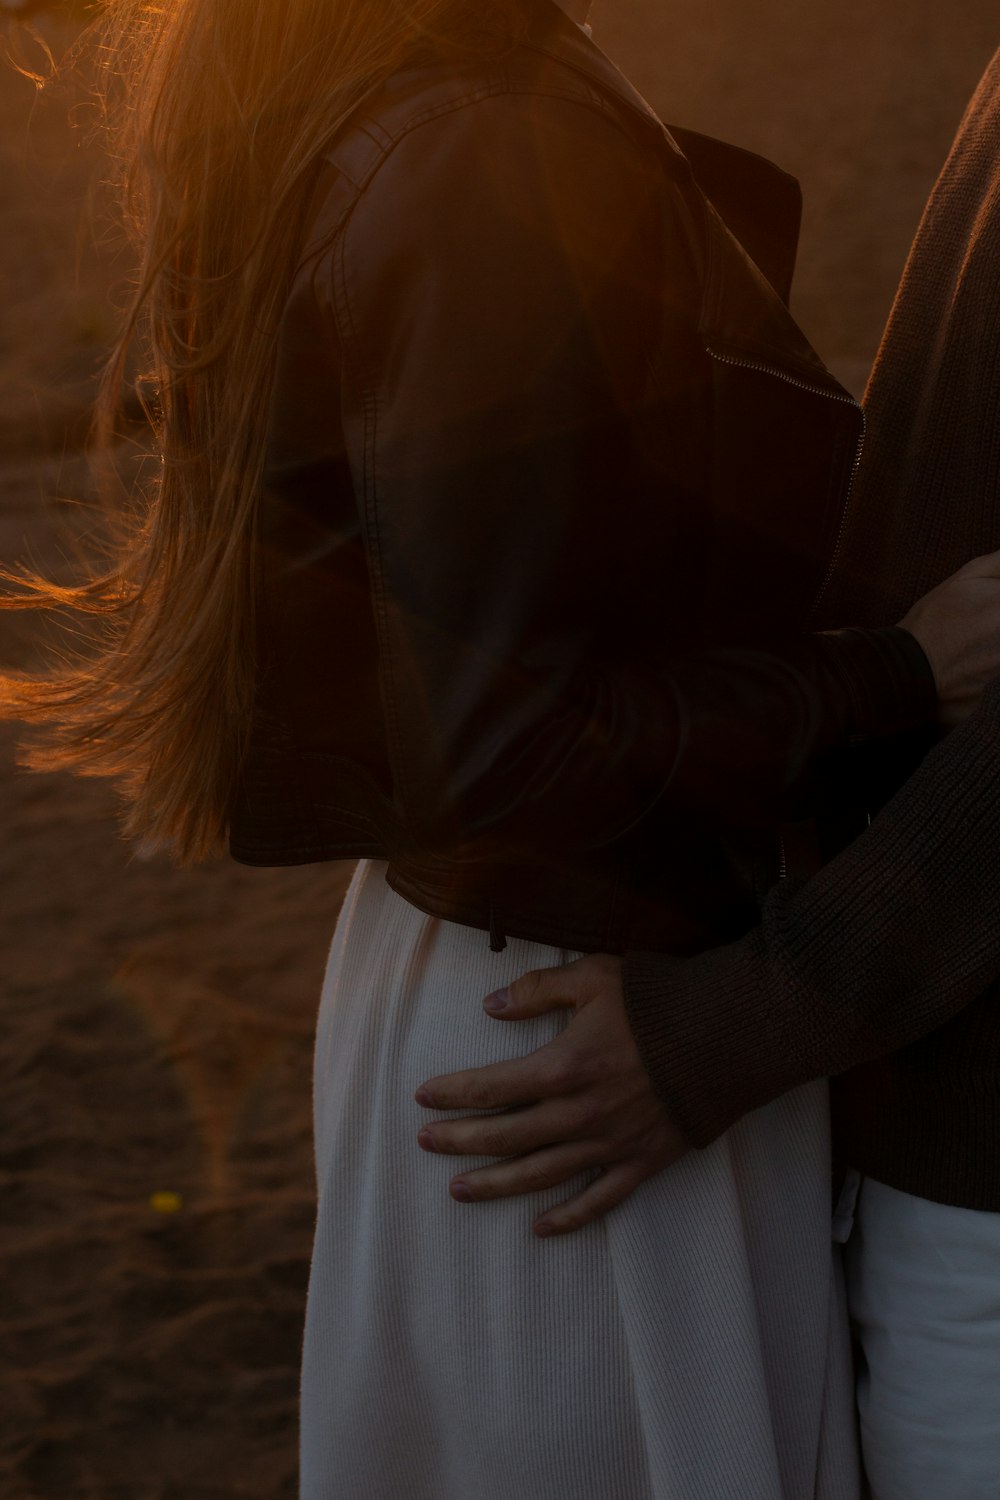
(491, 294)
(885, 944)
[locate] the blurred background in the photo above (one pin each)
(156, 1026)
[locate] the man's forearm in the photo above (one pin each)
(886, 943)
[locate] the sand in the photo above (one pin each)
(156, 1025)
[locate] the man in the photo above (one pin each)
(884, 967)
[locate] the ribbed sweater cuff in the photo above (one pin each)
(701, 1028)
(888, 677)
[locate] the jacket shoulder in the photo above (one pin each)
(415, 96)
(534, 83)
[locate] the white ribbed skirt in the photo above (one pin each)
(690, 1345)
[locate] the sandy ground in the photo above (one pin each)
(156, 1040)
(156, 1026)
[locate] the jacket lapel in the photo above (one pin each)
(760, 204)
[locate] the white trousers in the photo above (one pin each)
(923, 1284)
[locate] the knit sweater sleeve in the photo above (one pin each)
(886, 943)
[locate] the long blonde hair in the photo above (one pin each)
(217, 110)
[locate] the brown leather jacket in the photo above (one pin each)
(554, 484)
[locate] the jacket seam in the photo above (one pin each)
(369, 402)
(592, 99)
(389, 141)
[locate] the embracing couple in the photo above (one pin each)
(875, 958)
(511, 540)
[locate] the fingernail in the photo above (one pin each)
(427, 1140)
(498, 1002)
(462, 1191)
(424, 1098)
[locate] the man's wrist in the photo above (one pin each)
(698, 1026)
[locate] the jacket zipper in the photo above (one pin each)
(782, 860)
(846, 400)
(844, 514)
(779, 374)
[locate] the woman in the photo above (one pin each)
(497, 488)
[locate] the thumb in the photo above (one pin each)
(536, 992)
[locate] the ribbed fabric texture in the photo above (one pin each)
(901, 933)
(927, 497)
(898, 934)
(691, 1345)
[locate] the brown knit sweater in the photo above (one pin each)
(884, 968)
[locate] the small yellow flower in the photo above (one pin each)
(165, 1203)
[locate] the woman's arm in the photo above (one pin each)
(499, 292)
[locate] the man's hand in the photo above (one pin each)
(958, 626)
(583, 1100)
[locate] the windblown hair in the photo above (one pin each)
(218, 111)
